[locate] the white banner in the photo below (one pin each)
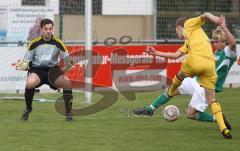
(139, 79)
(127, 7)
(10, 78)
(21, 19)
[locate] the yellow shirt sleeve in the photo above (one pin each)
(184, 48)
(193, 23)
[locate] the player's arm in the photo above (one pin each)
(230, 38)
(210, 17)
(172, 55)
(68, 63)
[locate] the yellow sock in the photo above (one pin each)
(175, 84)
(217, 112)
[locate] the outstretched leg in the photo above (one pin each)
(176, 82)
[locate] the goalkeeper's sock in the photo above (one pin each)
(205, 117)
(176, 82)
(29, 93)
(67, 96)
(217, 112)
(162, 99)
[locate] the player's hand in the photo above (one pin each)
(68, 64)
(218, 21)
(222, 21)
(151, 50)
(22, 65)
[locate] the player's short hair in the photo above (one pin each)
(180, 21)
(45, 21)
(218, 34)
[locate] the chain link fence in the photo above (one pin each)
(168, 11)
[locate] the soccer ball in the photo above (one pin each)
(171, 113)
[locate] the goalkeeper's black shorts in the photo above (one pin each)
(47, 75)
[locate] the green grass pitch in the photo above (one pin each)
(115, 129)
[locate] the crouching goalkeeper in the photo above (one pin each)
(41, 60)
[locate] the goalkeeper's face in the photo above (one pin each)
(47, 31)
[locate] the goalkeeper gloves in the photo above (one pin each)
(68, 64)
(22, 64)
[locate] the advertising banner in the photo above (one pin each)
(118, 67)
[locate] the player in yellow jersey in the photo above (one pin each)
(199, 61)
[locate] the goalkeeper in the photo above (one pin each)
(41, 60)
(199, 63)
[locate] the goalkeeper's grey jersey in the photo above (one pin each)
(45, 54)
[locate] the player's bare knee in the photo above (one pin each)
(30, 84)
(191, 116)
(210, 95)
(191, 113)
(210, 99)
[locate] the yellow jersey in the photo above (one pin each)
(196, 40)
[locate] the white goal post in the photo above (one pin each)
(88, 50)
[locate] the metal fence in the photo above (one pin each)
(168, 11)
(165, 14)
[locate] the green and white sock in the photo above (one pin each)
(205, 117)
(162, 99)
